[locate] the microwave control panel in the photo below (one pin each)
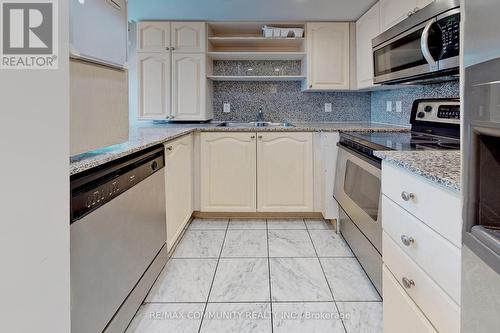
(450, 35)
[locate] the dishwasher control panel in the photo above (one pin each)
(97, 188)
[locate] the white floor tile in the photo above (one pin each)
(306, 317)
(209, 224)
(247, 224)
(200, 244)
(348, 280)
(318, 224)
(362, 317)
(298, 280)
(290, 243)
(184, 280)
(330, 244)
(245, 243)
(241, 280)
(286, 224)
(237, 318)
(162, 318)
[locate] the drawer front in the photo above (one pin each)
(437, 306)
(438, 208)
(434, 254)
(400, 312)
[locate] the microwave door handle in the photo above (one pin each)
(424, 45)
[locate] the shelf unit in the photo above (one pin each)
(243, 41)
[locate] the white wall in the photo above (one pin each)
(34, 196)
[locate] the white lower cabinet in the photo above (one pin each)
(228, 172)
(250, 172)
(400, 313)
(179, 186)
(284, 172)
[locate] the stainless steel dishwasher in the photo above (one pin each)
(118, 235)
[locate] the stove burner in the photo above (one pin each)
(449, 145)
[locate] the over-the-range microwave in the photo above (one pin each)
(423, 48)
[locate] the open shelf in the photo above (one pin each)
(257, 78)
(224, 44)
(229, 55)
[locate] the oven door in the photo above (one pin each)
(357, 190)
(410, 54)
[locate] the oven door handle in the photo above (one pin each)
(373, 161)
(424, 44)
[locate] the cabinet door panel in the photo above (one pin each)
(285, 172)
(153, 72)
(367, 28)
(189, 86)
(153, 36)
(394, 11)
(188, 37)
(328, 56)
(228, 172)
(179, 186)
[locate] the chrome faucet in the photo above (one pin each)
(260, 116)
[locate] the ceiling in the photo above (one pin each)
(249, 10)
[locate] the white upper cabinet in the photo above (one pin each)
(394, 11)
(153, 36)
(327, 56)
(153, 75)
(367, 28)
(188, 37)
(285, 175)
(189, 87)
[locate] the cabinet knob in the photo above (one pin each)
(407, 196)
(252, 137)
(169, 148)
(172, 117)
(408, 283)
(407, 241)
(410, 13)
(260, 136)
(172, 48)
(310, 86)
(167, 48)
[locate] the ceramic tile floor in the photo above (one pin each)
(268, 276)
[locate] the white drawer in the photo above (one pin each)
(437, 306)
(439, 208)
(434, 254)
(400, 312)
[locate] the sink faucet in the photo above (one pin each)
(260, 116)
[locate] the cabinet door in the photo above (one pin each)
(285, 172)
(153, 73)
(228, 172)
(400, 312)
(178, 185)
(153, 36)
(367, 28)
(328, 56)
(394, 11)
(188, 37)
(189, 86)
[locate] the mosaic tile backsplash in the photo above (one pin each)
(284, 101)
(379, 100)
(256, 68)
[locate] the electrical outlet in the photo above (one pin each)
(227, 108)
(328, 107)
(388, 106)
(399, 107)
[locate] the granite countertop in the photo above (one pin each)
(149, 134)
(439, 166)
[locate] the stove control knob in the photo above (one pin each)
(421, 114)
(428, 108)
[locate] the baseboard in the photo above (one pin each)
(260, 215)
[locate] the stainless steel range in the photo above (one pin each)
(435, 125)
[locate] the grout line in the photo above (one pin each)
(264, 302)
(213, 279)
(327, 282)
(269, 275)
